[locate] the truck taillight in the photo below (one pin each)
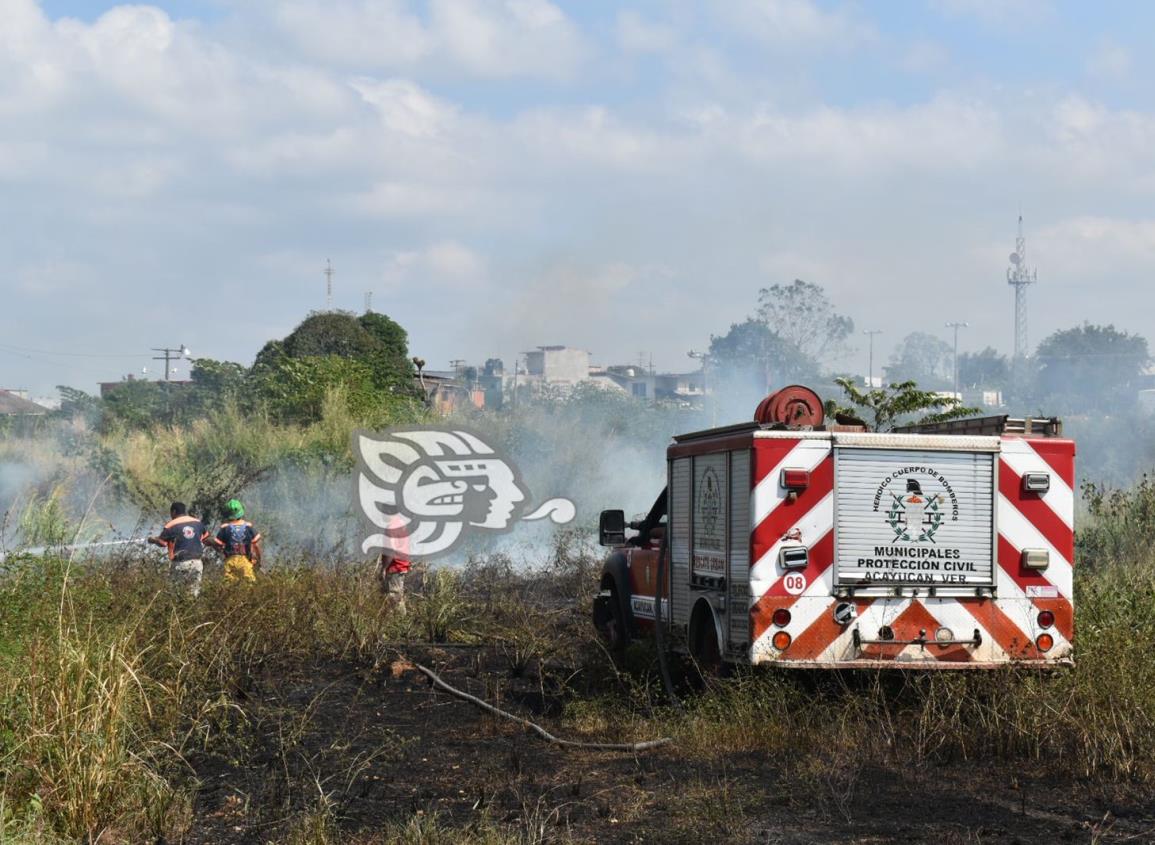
(781, 617)
(1046, 619)
(1044, 642)
(795, 479)
(781, 640)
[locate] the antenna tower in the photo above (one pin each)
(368, 301)
(1018, 276)
(328, 285)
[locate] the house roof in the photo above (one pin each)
(12, 405)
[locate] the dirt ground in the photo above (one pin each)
(370, 747)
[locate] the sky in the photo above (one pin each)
(619, 177)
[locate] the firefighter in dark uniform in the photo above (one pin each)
(183, 536)
(240, 543)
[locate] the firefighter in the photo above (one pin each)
(183, 536)
(393, 564)
(240, 544)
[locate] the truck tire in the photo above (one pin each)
(705, 649)
(610, 620)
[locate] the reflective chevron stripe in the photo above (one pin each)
(1006, 623)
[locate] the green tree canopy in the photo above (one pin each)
(899, 403)
(1091, 365)
(802, 315)
(751, 355)
(986, 369)
(924, 359)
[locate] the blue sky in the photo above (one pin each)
(622, 177)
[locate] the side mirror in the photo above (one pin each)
(612, 528)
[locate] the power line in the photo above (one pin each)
(24, 349)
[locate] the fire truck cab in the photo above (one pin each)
(790, 542)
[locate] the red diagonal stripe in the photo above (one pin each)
(821, 557)
(768, 453)
(788, 513)
(1037, 512)
(1014, 641)
(1059, 455)
(907, 626)
(821, 633)
(1011, 562)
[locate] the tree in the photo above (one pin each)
(1089, 365)
(987, 369)
(366, 358)
(751, 355)
(893, 405)
(802, 315)
(922, 358)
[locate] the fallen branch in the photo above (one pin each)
(538, 729)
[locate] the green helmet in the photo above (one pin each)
(234, 509)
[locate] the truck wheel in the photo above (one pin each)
(609, 620)
(704, 646)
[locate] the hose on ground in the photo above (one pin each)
(538, 729)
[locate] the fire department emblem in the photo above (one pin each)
(421, 490)
(915, 516)
(709, 501)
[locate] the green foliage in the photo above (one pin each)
(1089, 366)
(1121, 524)
(890, 406)
(802, 315)
(986, 369)
(922, 358)
(751, 355)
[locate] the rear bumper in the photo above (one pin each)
(914, 664)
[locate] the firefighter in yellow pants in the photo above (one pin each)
(240, 543)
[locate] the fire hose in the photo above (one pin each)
(37, 551)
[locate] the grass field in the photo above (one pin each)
(289, 712)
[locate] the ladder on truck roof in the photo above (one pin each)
(1001, 424)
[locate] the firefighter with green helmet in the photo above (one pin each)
(240, 544)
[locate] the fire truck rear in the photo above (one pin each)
(786, 541)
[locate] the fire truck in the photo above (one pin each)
(791, 542)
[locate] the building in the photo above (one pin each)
(15, 403)
(557, 365)
(644, 384)
(446, 391)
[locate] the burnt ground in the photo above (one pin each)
(371, 750)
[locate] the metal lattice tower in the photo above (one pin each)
(1018, 276)
(328, 285)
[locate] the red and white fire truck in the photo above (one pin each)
(790, 542)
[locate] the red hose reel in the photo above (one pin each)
(794, 406)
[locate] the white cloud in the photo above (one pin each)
(501, 39)
(636, 34)
(944, 133)
(405, 108)
(796, 24)
(1110, 61)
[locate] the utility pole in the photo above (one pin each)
(956, 327)
(870, 333)
(328, 285)
(169, 355)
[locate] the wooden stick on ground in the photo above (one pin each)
(538, 729)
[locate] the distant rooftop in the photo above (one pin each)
(12, 405)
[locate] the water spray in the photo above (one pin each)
(37, 551)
